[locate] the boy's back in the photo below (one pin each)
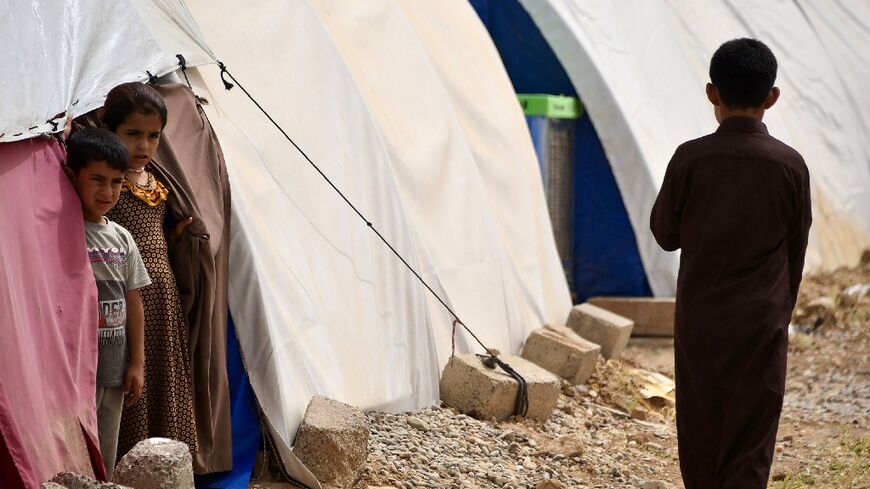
(740, 193)
(737, 202)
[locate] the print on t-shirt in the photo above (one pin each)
(113, 312)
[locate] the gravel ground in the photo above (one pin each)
(608, 434)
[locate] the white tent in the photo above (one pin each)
(406, 107)
(640, 68)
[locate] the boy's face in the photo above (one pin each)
(99, 187)
(141, 134)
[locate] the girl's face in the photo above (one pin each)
(141, 134)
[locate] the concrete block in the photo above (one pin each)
(156, 463)
(68, 480)
(332, 442)
(479, 391)
(602, 327)
(652, 316)
(563, 352)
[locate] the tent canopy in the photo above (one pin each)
(425, 138)
(641, 73)
(65, 60)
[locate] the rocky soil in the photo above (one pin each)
(617, 431)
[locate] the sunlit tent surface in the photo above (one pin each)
(641, 71)
(407, 107)
(430, 145)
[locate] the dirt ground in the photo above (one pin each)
(618, 430)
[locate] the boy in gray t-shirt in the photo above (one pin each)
(96, 162)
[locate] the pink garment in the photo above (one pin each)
(48, 320)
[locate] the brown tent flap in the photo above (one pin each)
(190, 161)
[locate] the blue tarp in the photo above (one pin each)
(246, 424)
(606, 260)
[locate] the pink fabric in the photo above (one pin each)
(48, 318)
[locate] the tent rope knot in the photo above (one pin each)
(223, 67)
(182, 63)
(521, 406)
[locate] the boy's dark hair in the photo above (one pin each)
(744, 71)
(93, 144)
(131, 98)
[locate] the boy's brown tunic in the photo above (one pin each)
(737, 202)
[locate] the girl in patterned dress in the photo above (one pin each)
(137, 114)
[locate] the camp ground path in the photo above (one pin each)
(613, 432)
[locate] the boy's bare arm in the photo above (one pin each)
(134, 379)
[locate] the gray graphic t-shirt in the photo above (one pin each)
(117, 268)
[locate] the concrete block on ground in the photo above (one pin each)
(484, 393)
(608, 330)
(563, 352)
(68, 480)
(333, 441)
(652, 316)
(156, 463)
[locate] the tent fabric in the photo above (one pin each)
(246, 424)
(190, 161)
(321, 305)
(605, 259)
(65, 60)
(48, 314)
(615, 57)
(495, 132)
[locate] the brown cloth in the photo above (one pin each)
(166, 407)
(738, 204)
(189, 160)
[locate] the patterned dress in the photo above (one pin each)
(166, 407)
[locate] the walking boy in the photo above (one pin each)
(737, 202)
(96, 162)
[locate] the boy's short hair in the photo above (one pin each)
(744, 71)
(94, 144)
(132, 98)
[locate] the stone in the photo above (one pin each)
(332, 442)
(68, 480)
(566, 446)
(549, 484)
(610, 331)
(657, 485)
(472, 388)
(417, 423)
(652, 316)
(822, 305)
(639, 414)
(156, 463)
(562, 352)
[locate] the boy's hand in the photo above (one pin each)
(133, 382)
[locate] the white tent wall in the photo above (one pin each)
(640, 68)
(67, 59)
(431, 148)
(443, 185)
(478, 88)
(321, 306)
